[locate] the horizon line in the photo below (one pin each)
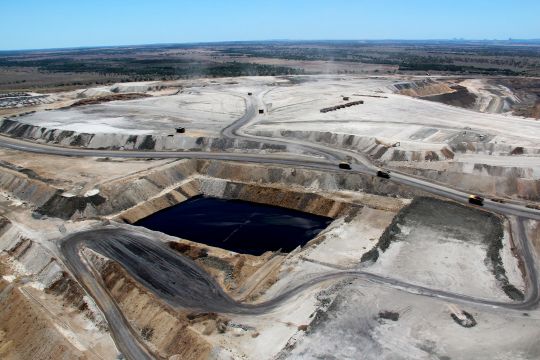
(457, 40)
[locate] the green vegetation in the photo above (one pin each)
(456, 57)
(150, 69)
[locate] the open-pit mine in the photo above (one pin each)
(270, 217)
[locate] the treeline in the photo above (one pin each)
(457, 68)
(502, 60)
(152, 69)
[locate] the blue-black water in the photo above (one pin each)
(240, 226)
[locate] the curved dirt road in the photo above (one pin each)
(178, 281)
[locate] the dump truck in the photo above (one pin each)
(383, 174)
(476, 200)
(345, 165)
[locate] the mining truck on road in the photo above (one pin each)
(383, 174)
(476, 200)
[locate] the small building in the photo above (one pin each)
(345, 98)
(261, 111)
(180, 130)
(250, 93)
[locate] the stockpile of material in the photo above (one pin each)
(342, 106)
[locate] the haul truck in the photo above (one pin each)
(476, 200)
(383, 174)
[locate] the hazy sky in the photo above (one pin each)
(28, 24)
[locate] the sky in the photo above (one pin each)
(33, 24)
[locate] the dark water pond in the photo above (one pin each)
(240, 226)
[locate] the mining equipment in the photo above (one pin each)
(383, 174)
(476, 200)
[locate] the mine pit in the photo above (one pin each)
(240, 226)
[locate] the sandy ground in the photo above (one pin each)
(394, 118)
(348, 241)
(443, 246)
(36, 323)
(352, 329)
(200, 110)
(77, 175)
(491, 98)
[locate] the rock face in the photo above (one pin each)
(164, 330)
(111, 141)
(370, 146)
(519, 181)
(299, 189)
(134, 197)
(26, 188)
(36, 262)
(19, 100)
(21, 321)
(514, 182)
(425, 87)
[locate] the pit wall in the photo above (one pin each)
(44, 197)
(370, 146)
(162, 200)
(501, 181)
(165, 331)
(488, 180)
(26, 188)
(491, 148)
(30, 260)
(419, 88)
(178, 142)
(380, 151)
(169, 184)
(163, 186)
(16, 129)
(225, 189)
(294, 188)
(303, 178)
